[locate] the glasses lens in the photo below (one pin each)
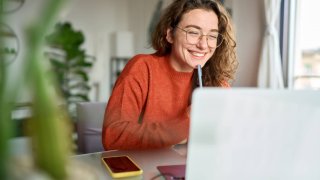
(214, 39)
(193, 36)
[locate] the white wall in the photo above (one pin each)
(98, 19)
(140, 16)
(249, 20)
(141, 12)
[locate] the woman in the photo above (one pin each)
(150, 103)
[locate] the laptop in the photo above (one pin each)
(251, 134)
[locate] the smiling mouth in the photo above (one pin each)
(197, 54)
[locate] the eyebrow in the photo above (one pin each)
(197, 27)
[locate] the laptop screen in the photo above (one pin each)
(254, 134)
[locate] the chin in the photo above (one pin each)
(195, 63)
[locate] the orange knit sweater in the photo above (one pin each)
(147, 82)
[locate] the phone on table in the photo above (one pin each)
(121, 166)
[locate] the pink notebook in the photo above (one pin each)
(170, 172)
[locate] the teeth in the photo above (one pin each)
(197, 54)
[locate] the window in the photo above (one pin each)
(303, 48)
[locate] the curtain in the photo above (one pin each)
(270, 73)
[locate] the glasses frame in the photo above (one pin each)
(186, 31)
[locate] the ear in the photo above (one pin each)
(169, 35)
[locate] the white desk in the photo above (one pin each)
(148, 160)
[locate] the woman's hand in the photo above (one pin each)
(184, 141)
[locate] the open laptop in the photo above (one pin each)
(251, 134)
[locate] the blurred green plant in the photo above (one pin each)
(70, 63)
(5, 116)
(5, 109)
(49, 126)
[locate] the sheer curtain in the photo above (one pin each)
(270, 69)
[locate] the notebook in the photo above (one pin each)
(254, 134)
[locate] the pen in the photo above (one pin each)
(199, 75)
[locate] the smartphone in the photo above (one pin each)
(121, 166)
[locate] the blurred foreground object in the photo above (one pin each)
(49, 127)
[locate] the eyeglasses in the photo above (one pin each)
(193, 36)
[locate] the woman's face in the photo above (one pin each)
(185, 56)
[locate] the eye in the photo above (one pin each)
(213, 36)
(193, 33)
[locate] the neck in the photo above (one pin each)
(178, 65)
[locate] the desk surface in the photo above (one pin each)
(148, 160)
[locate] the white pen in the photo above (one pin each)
(199, 75)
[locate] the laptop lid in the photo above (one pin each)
(254, 134)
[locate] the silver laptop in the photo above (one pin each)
(251, 134)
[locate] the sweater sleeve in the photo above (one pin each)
(121, 127)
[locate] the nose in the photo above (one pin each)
(203, 42)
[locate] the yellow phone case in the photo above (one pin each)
(122, 174)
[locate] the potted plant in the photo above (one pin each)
(70, 64)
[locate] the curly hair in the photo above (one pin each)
(221, 67)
